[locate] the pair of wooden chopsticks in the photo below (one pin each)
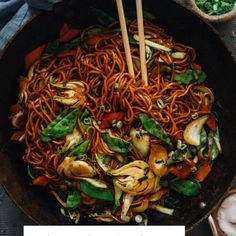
(141, 39)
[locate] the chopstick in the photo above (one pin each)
(141, 39)
(125, 37)
(141, 42)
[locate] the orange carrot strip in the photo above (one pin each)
(32, 56)
(202, 172)
(72, 33)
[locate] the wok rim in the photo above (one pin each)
(210, 27)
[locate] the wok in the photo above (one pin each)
(185, 27)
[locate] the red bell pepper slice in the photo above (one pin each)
(67, 54)
(182, 172)
(72, 33)
(64, 29)
(41, 181)
(108, 118)
(212, 123)
(33, 56)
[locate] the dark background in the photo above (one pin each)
(11, 218)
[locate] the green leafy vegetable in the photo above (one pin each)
(212, 137)
(154, 128)
(102, 17)
(118, 194)
(79, 150)
(172, 202)
(62, 125)
(187, 187)
(56, 46)
(94, 192)
(116, 144)
(73, 200)
(190, 77)
(215, 7)
(178, 156)
(31, 172)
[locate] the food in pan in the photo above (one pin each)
(105, 145)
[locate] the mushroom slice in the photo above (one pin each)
(74, 169)
(73, 94)
(193, 130)
(134, 178)
(141, 141)
(157, 160)
(66, 162)
(81, 168)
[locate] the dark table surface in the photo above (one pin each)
(12, 219)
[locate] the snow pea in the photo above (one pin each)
(62, 125)
(95, 192)
(190, 77)
(154, 128)
(116, 144)
(79, 150)
(187, 187)
(56, 46)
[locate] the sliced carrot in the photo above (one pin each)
(184, 171)
(32, 56)
(18, 136)
(67, 54)
(202, 172)
(16, 108)
(72, 33)
(64, 29)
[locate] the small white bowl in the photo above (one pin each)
(213, 218)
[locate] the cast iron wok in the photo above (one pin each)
(185, 27)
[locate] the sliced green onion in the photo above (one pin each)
(153, 45)
(160, 103)
(195, 115)
(119, 124)
(87, 121)
(162, 209)
(178, 55)
(181, 145)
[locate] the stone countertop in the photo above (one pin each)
(12, 219)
